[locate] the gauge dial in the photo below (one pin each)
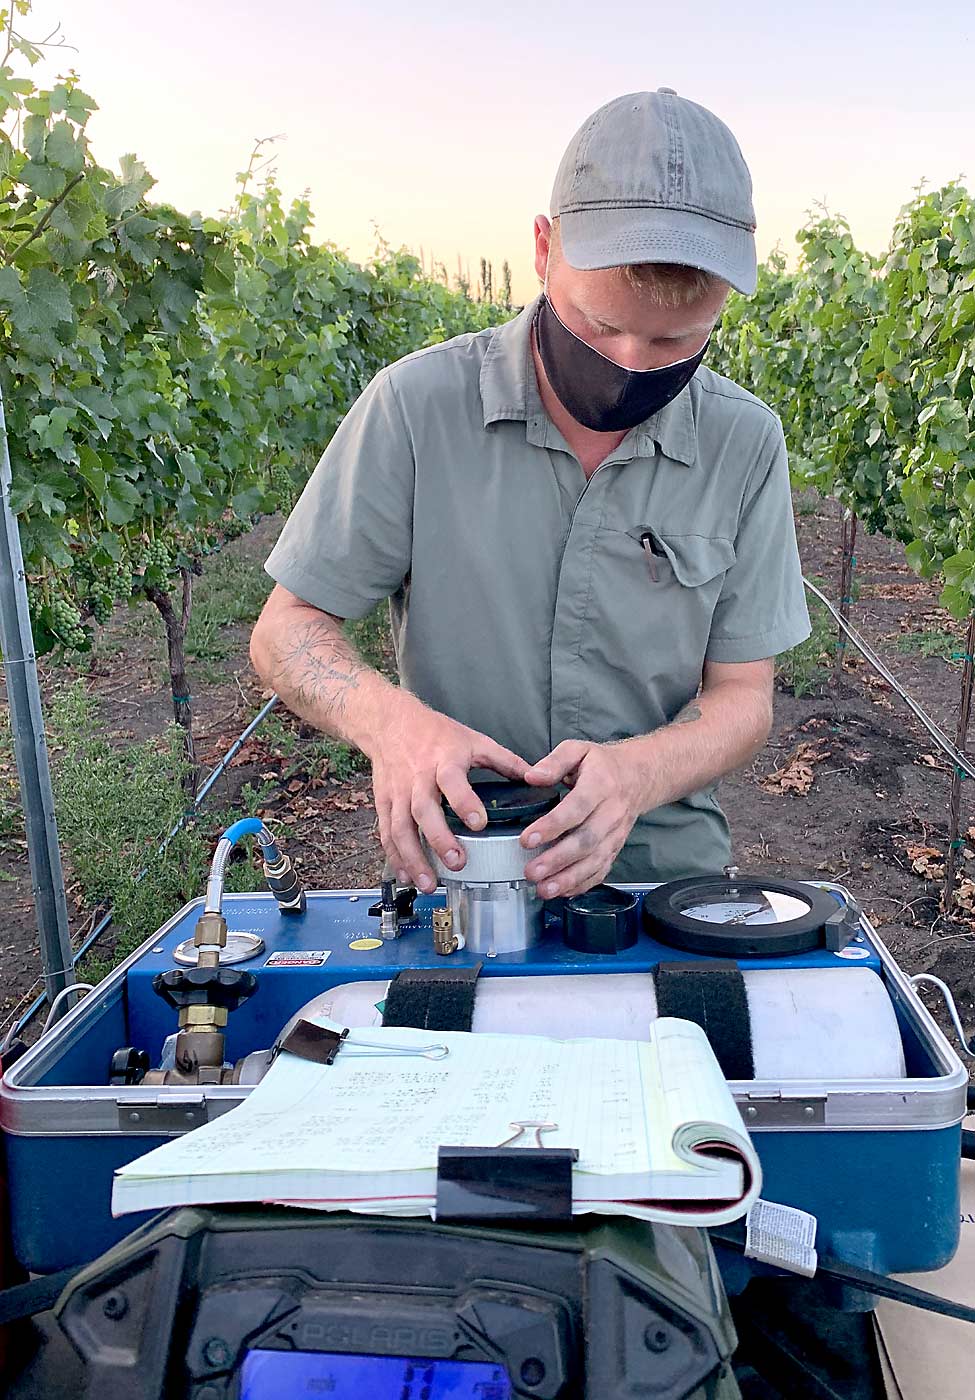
(756, 907)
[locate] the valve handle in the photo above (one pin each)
(225, 987)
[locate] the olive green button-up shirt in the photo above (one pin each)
(524, 601)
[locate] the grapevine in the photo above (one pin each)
(167, 379)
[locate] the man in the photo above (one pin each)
(586, 536)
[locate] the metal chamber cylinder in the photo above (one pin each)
(495, 908)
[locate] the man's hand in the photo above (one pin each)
(612, 784)
(593, 820)
(418, 757)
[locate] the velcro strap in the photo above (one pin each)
(432, 998)
(713, 995)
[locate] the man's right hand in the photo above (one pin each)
(419, 757)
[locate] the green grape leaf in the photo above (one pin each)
(64, 148)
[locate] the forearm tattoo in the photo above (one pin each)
(318, 667)
(688, 714)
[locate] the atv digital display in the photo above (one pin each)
(268, 1375)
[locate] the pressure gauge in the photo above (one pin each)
(739, 917)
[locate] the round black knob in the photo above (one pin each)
(129, 1066)
(225, 987)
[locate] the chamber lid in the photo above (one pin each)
(507, 804)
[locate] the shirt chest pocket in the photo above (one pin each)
(688, 560)
(638, 642)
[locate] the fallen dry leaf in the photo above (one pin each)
(930, 761)
(889, 590)
(964, 897)
(795, 773)
(926, 861)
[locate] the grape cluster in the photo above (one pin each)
(101, 600)
(282, 485)
(158, 555)
(65, 623)
(121, 580)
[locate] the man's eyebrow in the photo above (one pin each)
(698, 329)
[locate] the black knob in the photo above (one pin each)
(225, 987)
(404, 901)
(603, 920)
(129, 1066)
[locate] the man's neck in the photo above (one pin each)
(589, 447)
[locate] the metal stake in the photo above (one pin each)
(30, 745)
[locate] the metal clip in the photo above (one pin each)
(523, 1129)
(647, 542)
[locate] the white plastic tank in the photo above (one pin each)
(806, 1023)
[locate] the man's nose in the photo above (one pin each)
(633, 353)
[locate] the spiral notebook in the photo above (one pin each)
(657, 1131)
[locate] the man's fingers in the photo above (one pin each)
(407, 841)
(576, 878)
(429, 817)
(393, 854)
(487, 754)
(561, 761)
(569, 813)
(455, 786)
(579, 845)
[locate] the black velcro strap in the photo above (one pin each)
(712, 994)
(432, 998)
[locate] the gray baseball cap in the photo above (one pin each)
(651, 177)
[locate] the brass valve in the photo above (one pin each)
(444, 939)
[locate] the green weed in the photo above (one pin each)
(807, 502)
(300, 753)
(805, 668)
(114, 805)
(943, 645)
(372, 638)
(231, 589)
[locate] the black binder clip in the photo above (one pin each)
(525, 1184)
(312, 1042)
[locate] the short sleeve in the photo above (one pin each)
(761, 609)
(348, 541)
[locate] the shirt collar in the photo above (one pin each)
(506, 392)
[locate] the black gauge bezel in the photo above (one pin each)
(664, 921)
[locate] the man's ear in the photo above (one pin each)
(543, 245)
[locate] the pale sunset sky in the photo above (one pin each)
(442, 124)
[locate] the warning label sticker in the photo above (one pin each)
(299, 957)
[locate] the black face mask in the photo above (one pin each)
(599, 393)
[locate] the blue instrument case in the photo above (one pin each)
(877, 1161)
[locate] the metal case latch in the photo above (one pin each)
(174, 1114)
(778, 1110)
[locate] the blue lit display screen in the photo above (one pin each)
(271, 1375)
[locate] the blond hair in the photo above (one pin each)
(665, 284)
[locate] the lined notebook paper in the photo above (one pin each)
(363, 1133)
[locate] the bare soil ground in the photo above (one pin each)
(849, 787)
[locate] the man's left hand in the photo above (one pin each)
(593, 820)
